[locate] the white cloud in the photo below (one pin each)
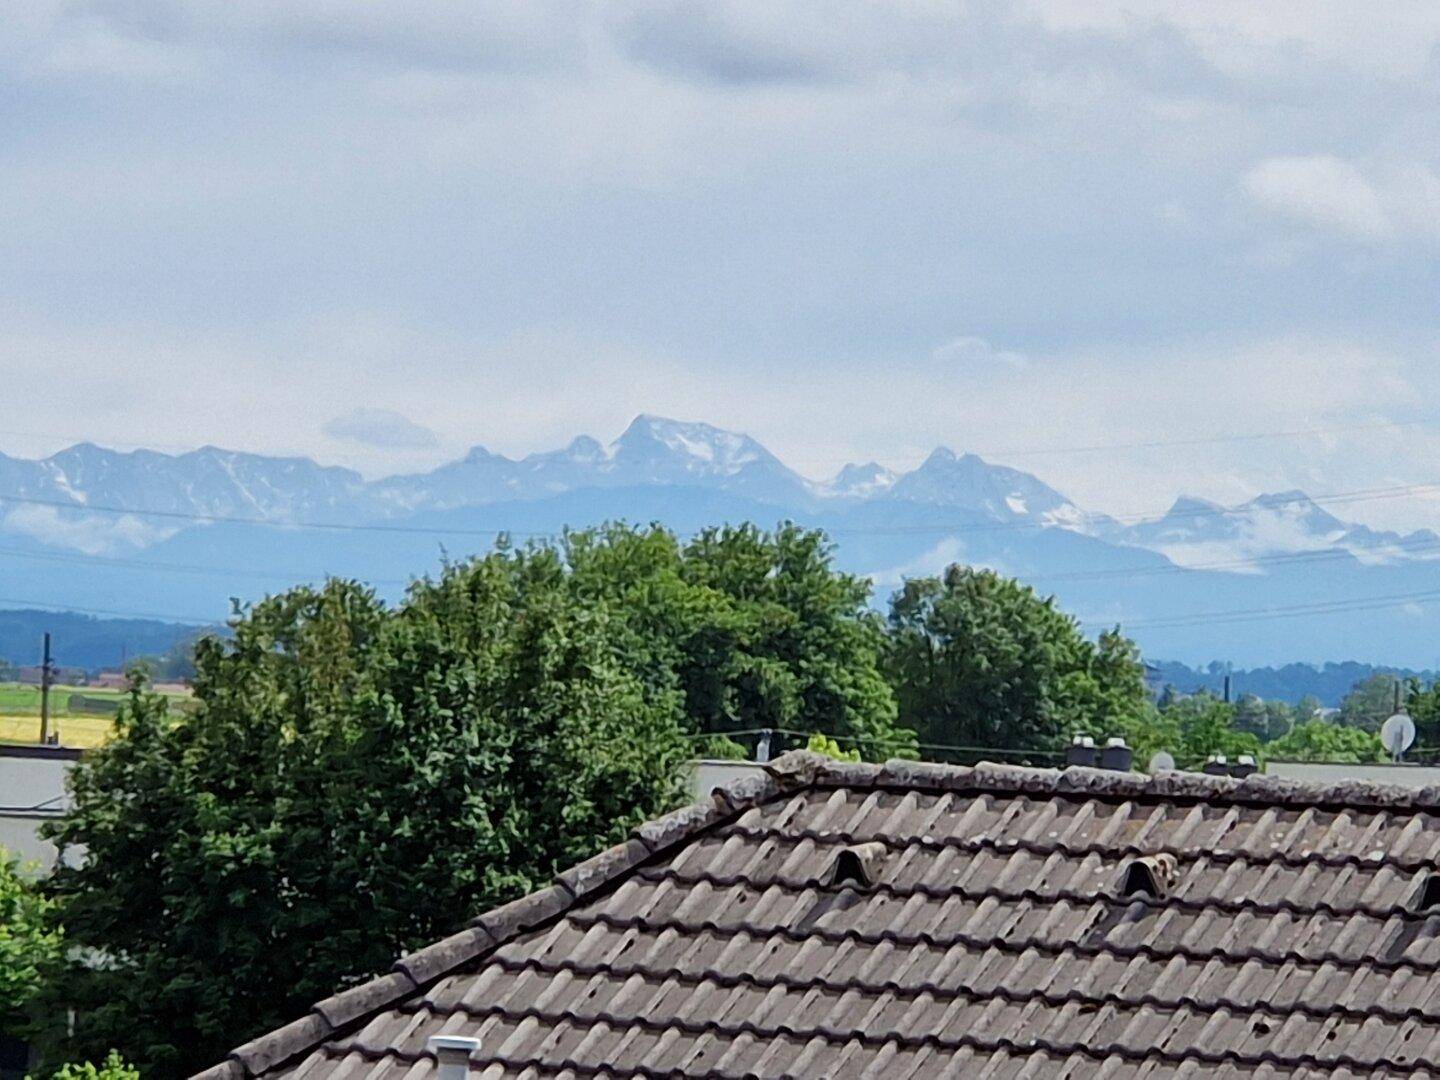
(90, 534)
(381, 429)
(976, 352)
(1334, 196)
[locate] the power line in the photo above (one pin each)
(1358, 495)
(1371, 603)
(1287, 558)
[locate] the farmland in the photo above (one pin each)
(86, 726)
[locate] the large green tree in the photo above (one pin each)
(978, 659)
(356, 781)
(752, 629)
(1369, 702)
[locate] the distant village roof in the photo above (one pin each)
(912, 920)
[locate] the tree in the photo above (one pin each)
(28, 944)
(980, 660)
(753, 630)
(1196, 727)
(1369, 702)
(1319, 740)
(356, 781)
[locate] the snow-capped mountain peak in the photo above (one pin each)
(1199, 533)
(656, 442)
(858, 482)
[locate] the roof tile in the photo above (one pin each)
(991, 941)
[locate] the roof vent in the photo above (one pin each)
(452, 1055)
(1082, 751)
(1428, 898)
(1150, 876)
(1116, 755)
(1216, 765)
(857, 865)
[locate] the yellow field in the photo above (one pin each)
(20, 714)
(82, 731)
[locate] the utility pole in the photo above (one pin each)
(45, 692)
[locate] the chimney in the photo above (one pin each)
(1081, 751)
(452, 1055)
(1116, 755)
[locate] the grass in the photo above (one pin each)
(20, 714)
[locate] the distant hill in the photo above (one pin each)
(83, 640)
(1289, 682)
(176, 536)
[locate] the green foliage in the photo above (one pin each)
(1369, 702)
(356, 781)
(977, 659)
(29, 945)
(1318, 740)
(823, 744)
(113, 1067)
(751, 629)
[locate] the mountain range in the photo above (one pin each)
(1274, 579)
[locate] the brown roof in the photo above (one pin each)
(992, 941)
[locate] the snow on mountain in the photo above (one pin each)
(652, 450)
(101, 501)
(969, 482)
(1198, 533)
(91, 499)
(857, 482)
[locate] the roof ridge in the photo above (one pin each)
(1109, 783)
(415, 971)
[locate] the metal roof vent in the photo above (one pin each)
(1216, 765)
(858, 865)
(452, 1055)
(1082, 751)
(1151, 876)
(1427, 899)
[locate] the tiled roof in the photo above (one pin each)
(991, 941)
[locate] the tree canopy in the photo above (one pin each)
(977, 659)
(1319, 740)
(356, 781)
(359, 779)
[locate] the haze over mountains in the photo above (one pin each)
(1278, 578)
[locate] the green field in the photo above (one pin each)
(20, 714)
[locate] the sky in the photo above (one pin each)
(378, 234)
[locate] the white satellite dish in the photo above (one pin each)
(1160, 761)
(1397, 733)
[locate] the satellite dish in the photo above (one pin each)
(1160, 761)
(1397, 733)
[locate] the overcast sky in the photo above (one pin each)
(380, 233)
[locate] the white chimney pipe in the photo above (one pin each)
(452, 1055)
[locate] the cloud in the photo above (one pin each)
(976, 352)
(1332, 195)
(381, 429)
